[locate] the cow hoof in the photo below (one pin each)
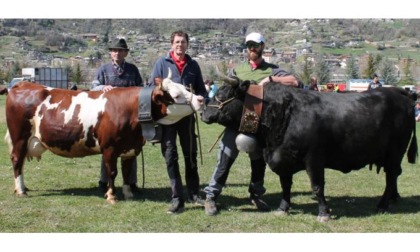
(112, 201)
(280, 212)
(110, 197)
(324, 218)
(22, 195)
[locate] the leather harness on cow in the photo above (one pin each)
(250, 116)
(252, 109)
(151, 131)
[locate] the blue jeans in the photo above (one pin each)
(226, 156)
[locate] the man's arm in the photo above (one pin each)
(98, 81)
(287, 80)
(96, 86)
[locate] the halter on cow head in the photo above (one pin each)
(185, 101)
(226, 106)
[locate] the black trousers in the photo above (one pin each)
(185, 129)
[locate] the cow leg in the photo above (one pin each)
(17, 157)
(110, 162)
(391, 188)
(126, 168)
(286, 182)
(317, 177)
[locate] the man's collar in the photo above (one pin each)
(116, 64)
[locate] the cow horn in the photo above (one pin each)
(226, 79)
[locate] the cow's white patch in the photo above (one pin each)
(8, 140)
(89, 109)
(87, 117)
(182, 96)
(19, 185)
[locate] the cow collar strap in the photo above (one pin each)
(145, 112)
(252, 109)
(145, 104)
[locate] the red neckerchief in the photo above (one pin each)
(253, 65)
(179, 63)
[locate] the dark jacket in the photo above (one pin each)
(191, 74)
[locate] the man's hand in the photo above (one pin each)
(107, 88)
(200, 99)
(265, 80)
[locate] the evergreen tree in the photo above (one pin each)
(352, 70)
(370, 68)
(306, 73)
(77, 76)
(388, 73)
(322, 71)
(377, 61)
(16, 70)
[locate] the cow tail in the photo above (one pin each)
(412, 153)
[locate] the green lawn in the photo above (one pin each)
(64, 199)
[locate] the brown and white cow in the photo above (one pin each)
(82, 123)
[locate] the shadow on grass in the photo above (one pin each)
(342, 206)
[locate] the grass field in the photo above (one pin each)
(64, 199)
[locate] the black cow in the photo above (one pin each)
(305, 130)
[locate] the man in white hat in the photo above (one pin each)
(259, 71)
(118, 73)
